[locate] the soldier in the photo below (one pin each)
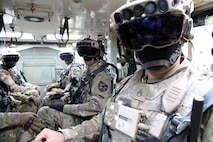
(70, 73)
(27, 95)
(155, 103)
(87, 97)
(20, 79)
(13, 125)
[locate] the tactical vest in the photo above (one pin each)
(78, 93)
(16, 75)
(150, 112)
(6, 101)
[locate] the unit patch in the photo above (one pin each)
(102, 86)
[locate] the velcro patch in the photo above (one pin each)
(102, 86)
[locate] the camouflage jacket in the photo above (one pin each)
(95, 94)
(146, 96)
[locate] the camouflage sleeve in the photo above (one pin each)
(86, 130)
(5, 76)
(208, 131)
(100, 92)
(92, 107)
(9, 119)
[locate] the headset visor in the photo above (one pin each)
(66, 56)
(88, 51)
(11, 58)
(156, 31)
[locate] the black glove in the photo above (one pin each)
(57, 105)
(56, 96)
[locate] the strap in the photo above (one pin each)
(86, 80)
(92, 75)
(104, 133)
(65, 27)
(13, 41)
(2, 23)
(116, 70)
(64, 73)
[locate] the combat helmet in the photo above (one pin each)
(155, 29)
(9, 58)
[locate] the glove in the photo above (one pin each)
(57, 105)
(56, 96)
(30, 122)
(25, 99)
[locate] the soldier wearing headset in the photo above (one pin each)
(88, 96)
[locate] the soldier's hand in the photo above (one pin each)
(30, 122)
(57, 105)
(24, 99)
(50, 86)
(48, 135)
(64, 99)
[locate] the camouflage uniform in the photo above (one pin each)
(14, 126)
(8, 120)
(155, 103)
(96, 94)
(147, 96)
(28, 97)
(63, 85)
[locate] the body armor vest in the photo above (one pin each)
(149, 112)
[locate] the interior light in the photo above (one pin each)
(34, 19)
